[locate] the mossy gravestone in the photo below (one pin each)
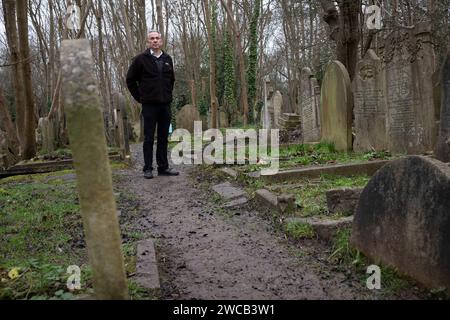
(309, 106)
(186, 118)
(403, 219)
(337, 107)
(408, 62)
(443, 145)
(370, 106)
(94, 179)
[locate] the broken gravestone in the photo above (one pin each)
(403, 219)
(343, 201)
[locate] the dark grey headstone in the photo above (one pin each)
(443, 144)
(403, 219)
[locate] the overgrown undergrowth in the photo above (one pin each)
(41, 235)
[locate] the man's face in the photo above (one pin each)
(154, 41)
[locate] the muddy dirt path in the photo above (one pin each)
(203, 254)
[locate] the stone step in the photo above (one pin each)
(228, 191)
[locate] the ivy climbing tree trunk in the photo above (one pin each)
(253, 57)
(241, 60)
(212, 64)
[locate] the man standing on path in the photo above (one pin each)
(150, 80)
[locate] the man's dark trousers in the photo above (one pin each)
(156, 116)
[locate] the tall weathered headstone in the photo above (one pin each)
(370, 106)
(277, 107)
(336, 106)
(121, 124)
(186, 117)
(266, 118)
(94, 179)
(443, 145)
(46, 134)
(223, 119)
(310, 106)
(408, 59)
(403, 219)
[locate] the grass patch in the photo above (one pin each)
(343, 252)
(41, 233)
(298, 231)
(40, 226)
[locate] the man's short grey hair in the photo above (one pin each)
(155, 31)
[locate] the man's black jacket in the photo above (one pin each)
(150, 79)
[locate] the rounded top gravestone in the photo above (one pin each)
(403, 219)
(337, 106)
(186, 117)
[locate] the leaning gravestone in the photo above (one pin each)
(443, 145)
(408, 59)
(94, 179)
(186, 117)
(310, 106)
(370, 107)
(403, 219)
(336, 107)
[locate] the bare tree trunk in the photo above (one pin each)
(9, 7)
(29, 150)
(160, 18)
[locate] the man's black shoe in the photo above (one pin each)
(148, 174)
(168, 172)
